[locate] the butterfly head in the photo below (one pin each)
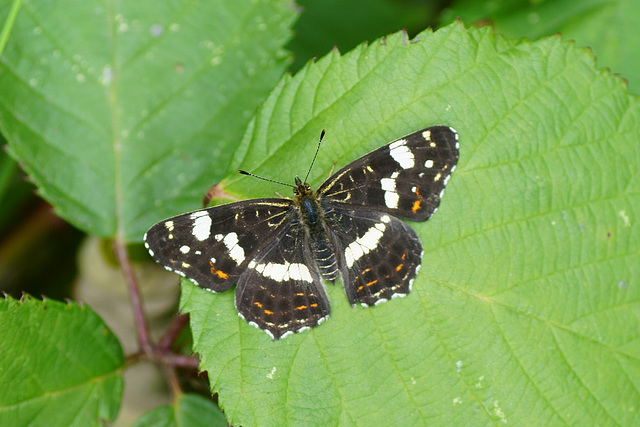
(302, 188)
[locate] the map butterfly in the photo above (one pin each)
(279, 250)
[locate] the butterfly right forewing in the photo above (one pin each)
(404, 178)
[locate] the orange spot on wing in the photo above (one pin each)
(314, 305)
(268, 312)
(302, 307)
(373, 282)
(399, 267)
(416, 206)
(221, 274)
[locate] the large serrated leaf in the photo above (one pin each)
(608, 27)
(59, 364)
(116, 108)
(526, 307)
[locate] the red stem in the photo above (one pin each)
(120, 249)
(169, 337)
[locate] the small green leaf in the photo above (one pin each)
(189, 410)
(114, 109)
(58, 362)
(526, 307)
(609, 28)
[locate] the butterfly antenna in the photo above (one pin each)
(314, 156)
(265, 179)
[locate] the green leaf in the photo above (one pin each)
(608, 27)
(58, 362)
(188, 410)
(114, 109)
(526, 307)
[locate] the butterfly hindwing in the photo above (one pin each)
(379, 255)
(281, 290)
(404, 178)
(213, 246)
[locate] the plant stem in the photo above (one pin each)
(167, 340)
(144, 341)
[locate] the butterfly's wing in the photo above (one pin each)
(213, 246)
(259, 244)
(281, 290)
(404, 178)
(378, 255)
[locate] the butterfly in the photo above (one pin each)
(279, 250)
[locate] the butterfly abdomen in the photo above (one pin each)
(325, 258)
(311, 215)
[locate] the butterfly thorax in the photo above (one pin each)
(311, 216)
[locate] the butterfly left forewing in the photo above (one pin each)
(213, 246)
(404, 178)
